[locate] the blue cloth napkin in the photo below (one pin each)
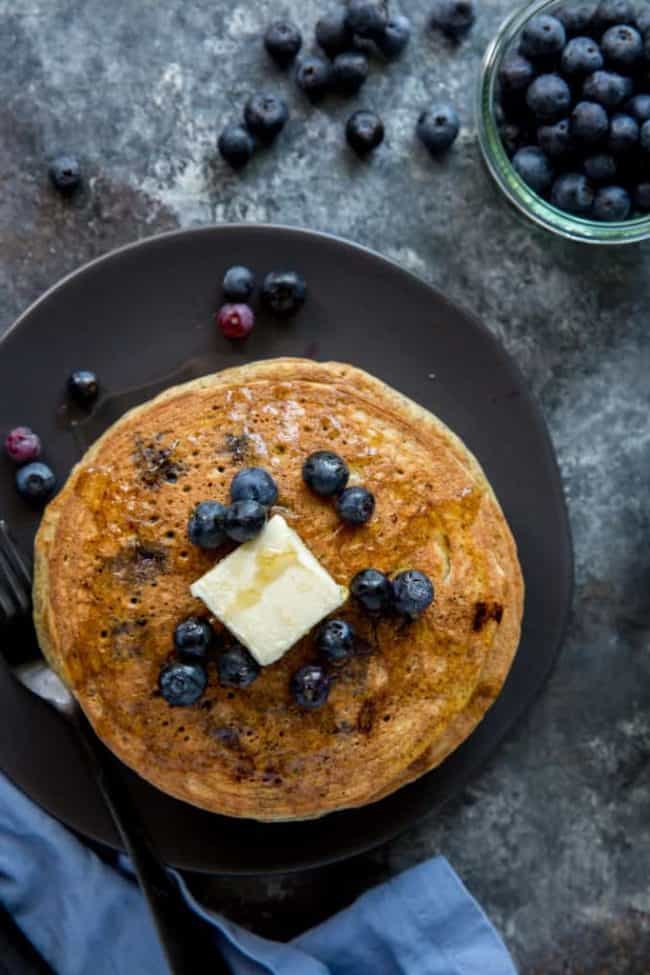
(84, 917)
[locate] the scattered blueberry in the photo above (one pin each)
(206, 526)
(193, 637)
(622, 46)
(236, 145)
(83, 387)
(256, 484)
(325, 473)
(600, 168)
(349, 71)
(642, 196)
(516, 73)
(581, 56)
(236, 667)
(589, 123)
(555, 140)
(265, 115)
(236, 321)
(453, 17)
(607, 88)
(364, 131)
(310, 686)
(542, 37)
(576, 18)
(283, 40)
(22, 445)
(238, 284)
(373, 590)
(572, 192)
(612, 12)
(639, 107)
(335, 640)
(182, 682)
(395, 36)
(244, 520)
(35, 481)
(412, 593)
(438, 127)
(534, 168)
(367, 18)
(65, 173)
(644, 137)
(623, 134)
(355, 505)
(549, 97)
(333, 33)
(611, 203)
(284, 292)
(314, 76)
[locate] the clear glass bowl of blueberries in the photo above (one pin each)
(564, 117)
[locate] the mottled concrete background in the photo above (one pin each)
(554, 837)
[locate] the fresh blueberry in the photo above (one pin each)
(314, 76)
(236, 145)
(83, 387)
(642, 196)
(412, 593)
(516, 73)
(542, 37)
(236, 321)
(513, 137)
(355, 505)
(335, 640)
(349, 71)
(639, 107)
(581, 56)
(622, 46)
(573, 193)
(236, 667)
(333, 33)
(35, 482)
(623, 134)
(534, 168)
(283, 40)
(22, 445)
(65, 173)
(193, 637)
(206, 526)
(438, 127)
(644, 137)
(238, 284)
(256, 484)
(244, 520)
(373, 590)
(589, 123)
(549, 97)
(265, 115)
(453, 17)
(284, 292)
(600, 168)
(611, 203)
(182, 682)
(367, 18)
(395, 37)
(576, 18)
(609, 13)
(310, 686)
(364, 131)
(607, 88)
(555, 140)
(325, 473)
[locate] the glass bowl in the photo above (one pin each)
(509, 182)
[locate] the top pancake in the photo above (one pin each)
(114, 567)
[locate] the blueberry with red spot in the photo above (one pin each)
(256, 484)
(236, 667)
(182, 682)
(236, 321)
(310, 686)
(207, 525)
(355, 505)
(22, 445)
(372, 589)
(335, 640)
(193, 637)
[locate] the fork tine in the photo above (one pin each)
(7, 608)
(14, 578)
(20, 565)
(10, 582)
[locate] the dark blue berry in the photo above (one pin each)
(607, 88)
(453, 17)
(182, 682)
(284, 292)
(310, 686)
(576, 18)
(265, 115)
(206, 526)
(333, 33)
(412, 593)
(238, 284)
(438, 128)
(611, 203)
(314, 76)
(355, 505)
(555, 140)
(622, 46)
(364, 131)
(373, 590)
(600, 168)
(542, 37)
(193, 637)
(236, 667)
(236, 145)
(325, 473)
(335, 640)
(516, 73)
(639, 107)
(283, 40)
(572, 192)
(65, 173)
(367, 18)
(643, 19)
(35, 482)
(513, 137)
(244, 520)
(589, 123)
(581, 56)
(349, 71)
(623, 134)
(644, 137)
(549, 97)
(83, 387)
(256, 484)
(611, 12)
(642, 196)
(395, 36)
(534, 168)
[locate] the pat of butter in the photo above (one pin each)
(270, 591)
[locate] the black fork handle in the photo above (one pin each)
(189, 945)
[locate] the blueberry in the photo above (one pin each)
(412, 593)
(244, 520)
(364, 131)
(589, 123)
(573, 193)
(643, 19)
(581, 56)
(65, 173)
(236, 145)
(609, 13)
(607, 88)
(349, 71)
(642, 196)
(22, 445)
(438, 127)
(83, 387)
(335, 640)
(236, 667)
(35, 482)
(314, 76)
(325, 473)
(236, 321)
(622, 46)
(193, 637)
(256, 484)
(395, 37)
(576, 18)
(516, 73)
(534, 168)
(182, 683)
(600, 168)
(366, 18)
(513, 137)
(542, 37)
(206, 526)
(333, 33)
(611, 203)
(310, 686)
(623, 134)
(283, 40)
(238, 284)
(453, 17)
(373, 590)
(639, 107)
(265, 115)
(555, 140)
(549, 97)
(644, 137)
(284, 292)
(355, 505)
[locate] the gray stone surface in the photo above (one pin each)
(554, 836)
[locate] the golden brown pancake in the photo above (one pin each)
(114, 567)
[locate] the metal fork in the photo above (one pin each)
(187, 942)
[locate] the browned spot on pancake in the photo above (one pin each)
(229, 737)
(155, 461)
(421, 764)
(137, 563)
(366, 717)
(238, 445)
(484, 612)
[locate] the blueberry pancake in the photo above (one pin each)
(374, 695)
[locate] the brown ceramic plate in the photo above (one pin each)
(142, 318)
